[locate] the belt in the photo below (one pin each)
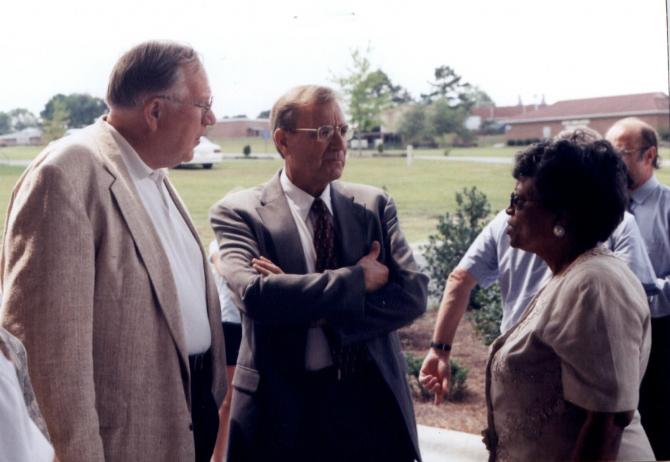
(349, 363)
(200, 362)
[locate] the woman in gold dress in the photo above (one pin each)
(563, 383)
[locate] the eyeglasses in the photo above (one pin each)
(326, 132)
(517, 203)
(204, 107)
(631, 152)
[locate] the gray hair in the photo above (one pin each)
(149, 67)
(286, 110)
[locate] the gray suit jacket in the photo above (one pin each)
(278, 309)
(85, 288)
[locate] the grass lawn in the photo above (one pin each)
(19, 152)
(422, 192)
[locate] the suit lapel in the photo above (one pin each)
(350, 225)
(144, 234)
(278, 220)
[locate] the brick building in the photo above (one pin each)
(596, 113)
(496, 115)
(239, 128)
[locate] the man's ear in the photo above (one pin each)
(650, 155)
(281, 141)
(153, 110)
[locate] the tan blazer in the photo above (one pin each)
(87, 288)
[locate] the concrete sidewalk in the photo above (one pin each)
(439, 445)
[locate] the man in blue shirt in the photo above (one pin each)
(637, 142)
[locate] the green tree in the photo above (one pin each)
(479, 97)
(264, 114)
(56, 125)
(449, 86)
(414, 126)
(5, 123)
(22, 118)
(82, 109)
(444, 119)
(368, 92)
(448, 104)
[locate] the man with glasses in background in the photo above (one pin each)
(637, 142)
(104, 278)
(324, 277)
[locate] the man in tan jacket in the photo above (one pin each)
(105, 281)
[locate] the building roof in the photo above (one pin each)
(606, 106)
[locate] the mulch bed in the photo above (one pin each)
(469, 414)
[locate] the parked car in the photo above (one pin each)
(206, 154)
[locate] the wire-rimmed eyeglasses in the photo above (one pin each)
(204, 107)
(326, 132)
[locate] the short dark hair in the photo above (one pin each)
(579, 134)
(585, 183)
(149, 67)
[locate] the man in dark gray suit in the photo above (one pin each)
(324, 277)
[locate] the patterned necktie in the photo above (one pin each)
(324, 236)
(347, 359)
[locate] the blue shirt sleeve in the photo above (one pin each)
(481, 258)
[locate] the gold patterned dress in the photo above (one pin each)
(584, 340)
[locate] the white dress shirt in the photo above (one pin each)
(317, 351)
(180, 246)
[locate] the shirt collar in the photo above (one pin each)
(642, 193)
(302, 200)
(136, 167)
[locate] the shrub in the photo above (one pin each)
(457, 385)
(455, 233)
(487, 312)
(246, 150)
(413, 364)
(380, 148)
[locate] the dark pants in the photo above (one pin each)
(355, 418)
(204, 412)
(655, 390)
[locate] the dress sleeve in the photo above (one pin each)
(598, 328)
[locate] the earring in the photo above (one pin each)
(559, 231)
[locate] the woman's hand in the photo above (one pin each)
(265, 266)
